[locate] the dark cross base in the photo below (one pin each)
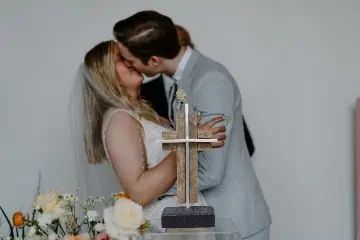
(192, 217)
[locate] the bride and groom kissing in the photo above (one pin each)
(121, 128)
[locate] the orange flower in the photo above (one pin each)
(120, 195)
(18, 219)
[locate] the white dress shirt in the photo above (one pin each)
(168, 81)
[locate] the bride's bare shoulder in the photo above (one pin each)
(120, 118)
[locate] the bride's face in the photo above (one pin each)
(129, 78)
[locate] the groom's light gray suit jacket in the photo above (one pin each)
(226, 175)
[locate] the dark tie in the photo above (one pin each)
(172, 98)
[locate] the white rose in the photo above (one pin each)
(52, 236)
(99, 227)
(45, 219)
(58, 212)
(48, 202)
(124, 218)
(110, 226)
(92, 215)
(128, 214)
(31, 232)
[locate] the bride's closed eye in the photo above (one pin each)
(119, 58)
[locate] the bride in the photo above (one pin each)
(119, 128)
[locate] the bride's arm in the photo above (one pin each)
(126, 151)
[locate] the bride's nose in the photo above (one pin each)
(127, 64)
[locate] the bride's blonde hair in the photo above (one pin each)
(102, 91)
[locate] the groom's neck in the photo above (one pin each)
(170, 65)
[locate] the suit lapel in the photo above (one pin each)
(187, 77)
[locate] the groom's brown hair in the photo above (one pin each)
(147, 34)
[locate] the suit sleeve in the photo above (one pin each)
(214, 95)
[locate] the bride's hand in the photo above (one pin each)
(217, 132)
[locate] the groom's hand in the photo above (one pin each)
(217, 132)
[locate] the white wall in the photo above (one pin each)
(296, 63)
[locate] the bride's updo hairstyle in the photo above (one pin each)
(102, 91)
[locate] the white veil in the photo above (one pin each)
(92, 179)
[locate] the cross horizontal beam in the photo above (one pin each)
(189, 140)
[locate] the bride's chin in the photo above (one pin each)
(134, 72)
(140, 79)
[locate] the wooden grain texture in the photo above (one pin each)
(204, 146)
(169, 135)
(195, 133)
(194, 161)
(180, 154)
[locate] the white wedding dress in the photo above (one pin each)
(155, 154)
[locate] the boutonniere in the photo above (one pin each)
(181, 95)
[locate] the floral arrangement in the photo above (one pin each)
(181, 95)
(56, 216)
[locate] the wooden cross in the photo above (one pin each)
(188, 140)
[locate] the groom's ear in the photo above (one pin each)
(155, 61)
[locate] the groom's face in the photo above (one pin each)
(134, 62)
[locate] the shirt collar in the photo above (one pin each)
(181, 67)
(147, 79)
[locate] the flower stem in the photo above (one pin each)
(8, 221)
(33, 215)
(62, 229)
(40, 229)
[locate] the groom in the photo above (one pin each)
(148, 42)
(151, 90)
